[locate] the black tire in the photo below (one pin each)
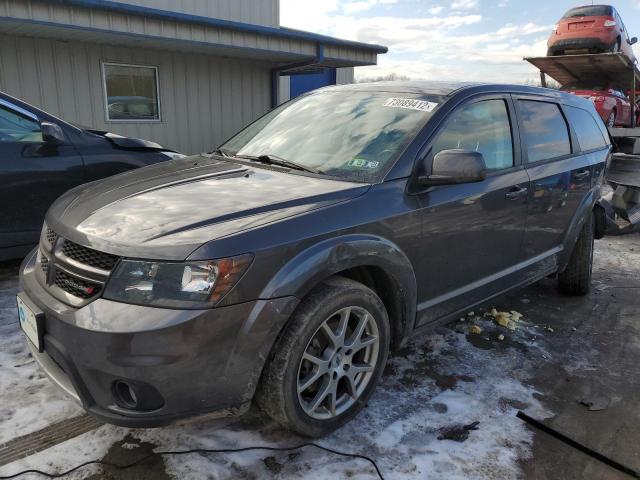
(611, 121)
(576, 278)
(615, 48)
(278, 394)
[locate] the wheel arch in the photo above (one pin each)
(372, 260)
(587, 207)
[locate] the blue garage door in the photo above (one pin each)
(306, 82)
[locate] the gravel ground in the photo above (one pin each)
(414, 426)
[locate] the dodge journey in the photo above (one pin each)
(281, 268)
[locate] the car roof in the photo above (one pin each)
(450, 89)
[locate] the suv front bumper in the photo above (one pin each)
(178, 363)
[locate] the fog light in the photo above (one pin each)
(136, 395)
(124, 394)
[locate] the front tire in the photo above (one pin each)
(576, 278)
(611, 121)
(326, 364)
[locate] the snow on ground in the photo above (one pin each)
(440, 381)
(28, 399)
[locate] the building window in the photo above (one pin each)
(131, 93)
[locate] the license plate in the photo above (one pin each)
(30, 323)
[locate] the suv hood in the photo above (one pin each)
(167, 210)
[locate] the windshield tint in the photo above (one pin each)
(594, 11)
(350, 135)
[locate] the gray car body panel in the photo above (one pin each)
(440, 249)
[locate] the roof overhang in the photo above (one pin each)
(598, 68)
(117, 23)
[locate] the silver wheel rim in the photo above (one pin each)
(612, 120)
(338, 363)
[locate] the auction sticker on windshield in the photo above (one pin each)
(410, 103)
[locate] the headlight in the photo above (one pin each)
(175, 285)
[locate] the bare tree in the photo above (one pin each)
(551, 83)
(391, 77)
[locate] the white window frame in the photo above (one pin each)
(106, 96)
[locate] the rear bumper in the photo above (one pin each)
(580, 43)
(194, 362)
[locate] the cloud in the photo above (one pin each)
(464, 4)
(437, 45)
(312, 16)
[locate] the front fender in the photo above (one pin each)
(329, 257)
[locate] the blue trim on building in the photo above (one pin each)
(219, 23)
(275, 73)
(305, 82)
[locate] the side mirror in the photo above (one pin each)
(633, 40)
(52, 133)
(455, 166)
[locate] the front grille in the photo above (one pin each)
(88, 256)
(44, 263)
(75, 286)
(51, 236)
(73, 273)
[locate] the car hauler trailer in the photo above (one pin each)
(593, 67)
(623, 174)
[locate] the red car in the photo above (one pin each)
(594, 29)
(612, 103)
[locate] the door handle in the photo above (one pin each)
(581, 174)
(516, 192)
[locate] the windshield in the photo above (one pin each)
(350, 135)
(594, 11)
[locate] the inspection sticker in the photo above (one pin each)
(411, 104)
(362, 163)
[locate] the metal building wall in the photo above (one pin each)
(344, 76)
(259, 12)
(98, 21)
(203, 99)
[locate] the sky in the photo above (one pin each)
(467, 40)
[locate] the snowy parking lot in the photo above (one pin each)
(446, 407)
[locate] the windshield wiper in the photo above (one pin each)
(223, 152)
(271, 159)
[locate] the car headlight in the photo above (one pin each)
(190, 285)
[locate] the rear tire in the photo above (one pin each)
(311, 358)
(611, 121)
(615, 48)
(576, 278)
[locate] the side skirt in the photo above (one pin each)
(525, 274)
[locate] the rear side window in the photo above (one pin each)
(587, 130)
(480, 127)
(545, 130)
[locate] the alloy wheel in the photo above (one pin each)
(338, 363)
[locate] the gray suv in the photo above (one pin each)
(282, 268)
